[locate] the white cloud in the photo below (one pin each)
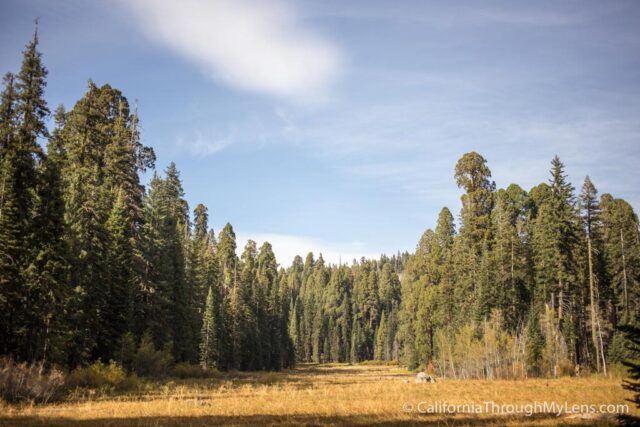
(200, 145)
(259, 46)
(286, 247)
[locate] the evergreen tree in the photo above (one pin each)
(632, 334)
(11, 228)
(118, 314)
(556, 259)
(245, 309)
(621, 253)
(208, 335)
(266, 301)
(382, 345)
(591, 222)
(202, 269)
(512, 273)
(163, 304)
(23, 115)
(47, 273)
(535, 342)
(473, 175)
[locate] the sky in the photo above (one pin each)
(335, 126)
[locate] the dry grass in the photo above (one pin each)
(320, 395)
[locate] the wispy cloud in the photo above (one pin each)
(202, 146)
(286, 247)
(528, 17)
(445, 14)
(259, 46)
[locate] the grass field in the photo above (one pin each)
(329, 395)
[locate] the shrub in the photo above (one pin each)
(22, 381)
(106, 377)
(149, 362)
(188, 370)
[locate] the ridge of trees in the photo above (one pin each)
(93, 264)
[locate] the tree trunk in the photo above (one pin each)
(561, 300)
(624, 279)
(604, 362)
(594, 335)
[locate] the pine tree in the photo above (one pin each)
(202, 269)
(294, 328)
(87, 206)
(226, 254)
(473, 175)
(632, 334)
(621, 253)
(592, 224)
(208, 335)
(47, 274)
(535, 341)
(356, 342)
(23, 115)
(118, 313)
(389, 289)
(177, 236)
(10, 226)
(267, 307)
(162, 306)
(245, 310)
(381, 339)
(556, 256)
(511, 261)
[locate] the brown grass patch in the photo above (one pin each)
(333, 394)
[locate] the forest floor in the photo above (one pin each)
(333, 394)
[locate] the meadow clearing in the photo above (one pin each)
(331, 394)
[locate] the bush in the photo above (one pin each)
(188, 370)
(149, 362)
(106, 377)
(22, 381)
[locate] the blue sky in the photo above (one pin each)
(335, 126)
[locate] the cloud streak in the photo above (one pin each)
(257, 46)
(202, 146)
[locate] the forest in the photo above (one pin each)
(96, 266)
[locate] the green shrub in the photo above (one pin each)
(106, 377)
(22, 381)
(149, 362)
(188, 370)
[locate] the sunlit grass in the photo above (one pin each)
(333, 394)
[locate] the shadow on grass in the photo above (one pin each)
(287, 420)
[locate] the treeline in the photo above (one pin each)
(344, 314)
(94, 266)
(532, 283)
